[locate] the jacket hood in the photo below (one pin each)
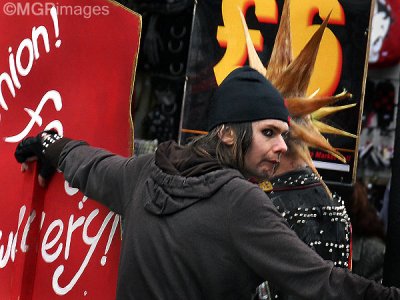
(168, 192)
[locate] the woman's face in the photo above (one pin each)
(263, 155)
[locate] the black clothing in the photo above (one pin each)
(319, 221)
(245, 95)
(368, 257)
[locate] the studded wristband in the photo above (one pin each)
(49, 139)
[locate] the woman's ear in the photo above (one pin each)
(226, 135)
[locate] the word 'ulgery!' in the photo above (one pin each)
(52, 245)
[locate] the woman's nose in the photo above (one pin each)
(281, 145)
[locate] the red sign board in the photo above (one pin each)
(70, 66)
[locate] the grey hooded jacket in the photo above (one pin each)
(213, 236)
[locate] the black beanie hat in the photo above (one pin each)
(245, 96)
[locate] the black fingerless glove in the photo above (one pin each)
(36, 147)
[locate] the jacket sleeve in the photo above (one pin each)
(103, 176)
(275, 253)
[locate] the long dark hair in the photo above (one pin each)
(210, 145)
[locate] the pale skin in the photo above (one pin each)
(25, 167)
(267, 146)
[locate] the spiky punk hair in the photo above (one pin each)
(283, 72)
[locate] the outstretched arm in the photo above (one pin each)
(99, 174)
(275, 253)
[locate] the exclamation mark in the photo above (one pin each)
(54, 16)
(80, 205)
(110, 237)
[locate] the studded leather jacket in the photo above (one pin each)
(320, 221)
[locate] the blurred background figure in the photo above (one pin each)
(368, 234)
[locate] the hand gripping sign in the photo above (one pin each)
(68, 66)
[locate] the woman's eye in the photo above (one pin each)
(268, 132)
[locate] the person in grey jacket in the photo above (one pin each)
(194, 226)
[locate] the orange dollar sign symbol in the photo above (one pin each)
(328, 66)
(231, 36)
